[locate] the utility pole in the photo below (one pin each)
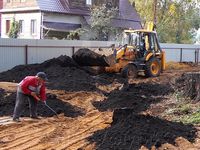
(155, 13)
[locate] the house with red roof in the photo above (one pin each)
(49, 19)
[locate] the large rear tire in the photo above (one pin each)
(129, 71)
(153, 67)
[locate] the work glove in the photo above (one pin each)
(45, 102)
(35, 96)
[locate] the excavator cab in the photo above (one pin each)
(140, 52)
(141, 41)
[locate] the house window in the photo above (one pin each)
(8, 1)
(21, 26)
(33, 26)
(22, 1)
(89, 2)
(7, 26)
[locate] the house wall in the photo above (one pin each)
(27, 23)
(50, 17)
(19, 3)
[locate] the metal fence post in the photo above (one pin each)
(181, 54)
(73, 50)
(197, 56)
(26, 54)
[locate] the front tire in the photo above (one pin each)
(129, 71)
(153, 67)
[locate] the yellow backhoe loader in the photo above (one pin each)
(140, 51)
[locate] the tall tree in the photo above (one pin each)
(101, 17)
(177, 20)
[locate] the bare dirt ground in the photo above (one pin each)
(92, 112)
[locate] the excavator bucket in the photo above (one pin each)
(86, 57)
(92, 62)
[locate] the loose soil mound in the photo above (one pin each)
(7, 103)
(63, 74)
(19, 72)
(131, 131)
(189, 85)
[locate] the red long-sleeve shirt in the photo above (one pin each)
(31, 84)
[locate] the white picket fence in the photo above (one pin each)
(15, 52)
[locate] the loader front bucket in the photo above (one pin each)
(86, 57)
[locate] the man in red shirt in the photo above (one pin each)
(31, 88)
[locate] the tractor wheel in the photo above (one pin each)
(153, 67)
(129, 71)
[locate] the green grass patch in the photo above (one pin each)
(181, 109)
(185, 109)
(191, 119)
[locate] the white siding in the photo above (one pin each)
(27, 17)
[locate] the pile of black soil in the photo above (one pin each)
(63, 74)
(17, 73)
(188, 85)
(7, 104)
(132, 131)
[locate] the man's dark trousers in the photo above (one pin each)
(19, 104)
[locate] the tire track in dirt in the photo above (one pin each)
(77, 137)
(13, 129)
(22, 139)
(77, 134)
(96, 122)
(82, 142)
(20, 135)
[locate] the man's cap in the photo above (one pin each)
(42, 75)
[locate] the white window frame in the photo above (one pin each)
(21, 28)
(88, 2)
(33, 26)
